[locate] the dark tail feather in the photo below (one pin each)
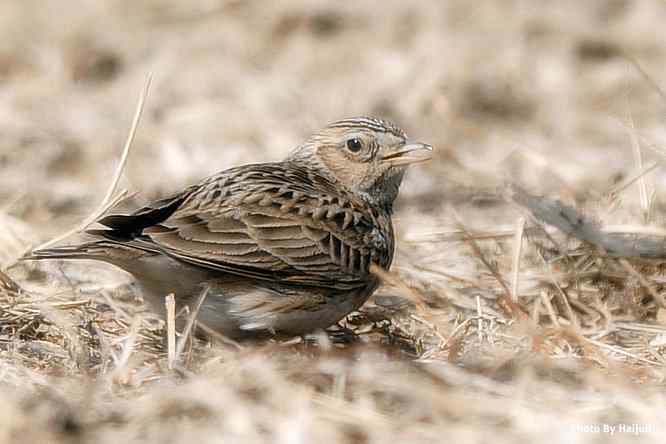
(131, 225)
(123, 232)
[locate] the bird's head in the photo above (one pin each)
(364, 154)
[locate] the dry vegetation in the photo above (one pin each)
(492, 325)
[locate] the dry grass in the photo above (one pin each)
(491, 326)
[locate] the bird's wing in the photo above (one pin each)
(268, 222)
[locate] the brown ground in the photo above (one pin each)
(548, 94)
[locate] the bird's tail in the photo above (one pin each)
(117, 252)
(98, 250)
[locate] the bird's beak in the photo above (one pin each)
(407, 154)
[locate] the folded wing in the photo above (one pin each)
(264, 229)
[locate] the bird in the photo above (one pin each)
(280, 248)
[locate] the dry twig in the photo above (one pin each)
(111, 199)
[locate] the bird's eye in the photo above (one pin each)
(354, 145)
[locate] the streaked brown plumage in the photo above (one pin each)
(284, 247)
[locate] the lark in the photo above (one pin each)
(281, 248)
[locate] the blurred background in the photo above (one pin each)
(560, 96)
(542, 92)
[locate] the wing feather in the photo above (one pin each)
(258, 222)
